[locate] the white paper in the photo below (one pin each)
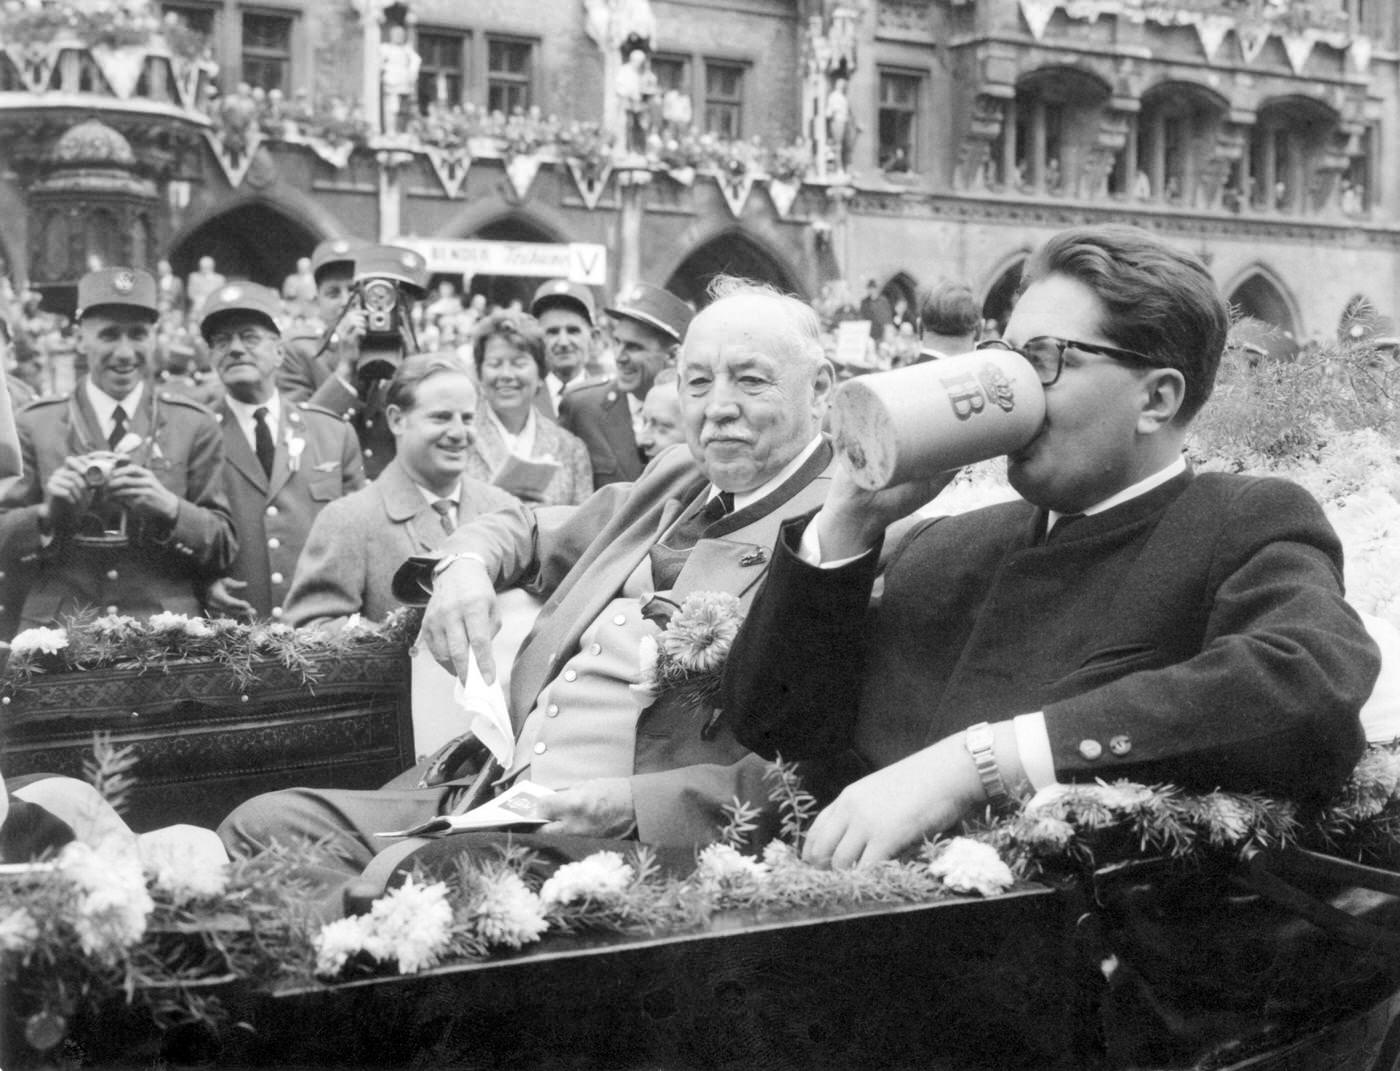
(485, 705)
(517, 806)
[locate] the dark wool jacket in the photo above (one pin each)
(1196, 634)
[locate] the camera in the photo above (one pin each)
(388, 279)
(98, 467)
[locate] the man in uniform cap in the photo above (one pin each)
(567, 316)
(121, 505)
(284, 460)
(356, 390)
(648, 326)
(310, 358)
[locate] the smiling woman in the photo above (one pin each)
(509, 351)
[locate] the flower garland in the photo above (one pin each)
(165, 639)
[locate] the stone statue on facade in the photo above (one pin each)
(399, 64)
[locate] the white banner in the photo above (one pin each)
(579, 262)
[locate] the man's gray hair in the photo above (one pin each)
(805, 324)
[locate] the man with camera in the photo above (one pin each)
(121, 505)
(376, 333)
(311, 356)
(284, 461)
(648, 326)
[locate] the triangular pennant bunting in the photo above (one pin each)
(783, 194)
(235, 160)
(187, 75)
(1299, 47)
(335, 153)
(684, 175)
(121, 67)
(1037, 14)
(1211, 29)
(35, 63)
(735, 189)
(591, 180)
(522, 170)
(1253, 37)
(450, 165)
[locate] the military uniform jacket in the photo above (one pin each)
(317, 461)
(356, 543)
(303, 368)
(598, 414)
(1196, 634)
(366, 417)
(161, 568)
(580, 559)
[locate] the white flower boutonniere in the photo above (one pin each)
(128, 444)
(295, 445)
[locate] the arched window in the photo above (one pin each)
(1176, 146)
(1286, 151)
(1050, 131)
(1001, 296)
(253, 240)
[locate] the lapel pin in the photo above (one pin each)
(754, 557)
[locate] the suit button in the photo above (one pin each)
(1090, 749)
(1121, 744)
(112, 574)
(2, 576)
(620, 619)
(570, 675)
(272, 511)
(276, 578)
(596, 649)
(277, 611)
(552, 711)
(369, 453)
(273, 543)
(111, 609)
(541, 748)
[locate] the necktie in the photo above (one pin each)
(447, 509)
(668, 557)
(262, 439)
(118, 428)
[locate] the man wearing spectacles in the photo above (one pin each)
(284, 461)
(1128, 619)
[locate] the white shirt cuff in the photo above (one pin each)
(1033, 742)
(810, 550)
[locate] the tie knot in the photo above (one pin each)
(444, 506)
(119, 415)
(721, 505)
(260, 414)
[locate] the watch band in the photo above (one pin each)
(979, 740)
(447, 559)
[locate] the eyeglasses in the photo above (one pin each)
(1046, 354)
(251, 337)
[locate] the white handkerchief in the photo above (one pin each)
(485, 705)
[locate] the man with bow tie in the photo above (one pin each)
(754, 389)
(283, 460)
(121, 507)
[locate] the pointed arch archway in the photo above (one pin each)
(255, 239)
(1000, 295)
(1259, 293)
(499, 221)
(732, 251)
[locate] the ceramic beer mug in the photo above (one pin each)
(912, 423)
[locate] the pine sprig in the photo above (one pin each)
(796, 806)
(109, 771)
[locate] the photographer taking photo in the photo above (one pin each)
(375, 333)
(120, 507)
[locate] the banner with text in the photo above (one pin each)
(579, 262)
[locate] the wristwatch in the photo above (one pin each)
(979, 740)
(447, 559)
